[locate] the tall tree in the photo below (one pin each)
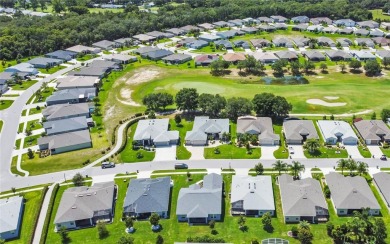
(385, 114)
(296, 168)
(238, 106)
(362, 167)
(259, 168)
(269, 105)
(187, 99)
(58, 6)
(280, 166)
(372, 68)
(342, 164)
(78, 180)
(352, 166)
(312, 145)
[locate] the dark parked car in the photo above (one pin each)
(181, 166)
(108, 165)
(383, 157)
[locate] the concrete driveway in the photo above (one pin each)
(267, 152)
(197, 152)
(165, 153)
(375, 151)
(353, 151)
(296, 151)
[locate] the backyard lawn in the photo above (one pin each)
(378, 14)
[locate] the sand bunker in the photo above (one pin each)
(331, 98)
(324, 103)
(126, 94)
(143, 75)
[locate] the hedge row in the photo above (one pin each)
(36, 216)
(124, 142)
(48, 214)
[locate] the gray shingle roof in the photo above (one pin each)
(338, 54)
(177, 57)
(158, 54)
(314, 55)
(203, 126)
(255, 192)
(76, 82)
(382, 180)
(154, 129)
(198, 202)
(65, 110)
(143, 50)
(65, 125)
(373, 129)
(295, 129)
(84, 202)
(89, 71)
(104, 44)
(350, 192)
(42, 61)
(256, 125)
(71, 94)
(10, 211)
(61, 54)
(148, 195)
(301, 197)
(66, 139)
(286, 55)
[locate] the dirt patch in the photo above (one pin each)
(126, 94)
(143, 75)
(324, 103)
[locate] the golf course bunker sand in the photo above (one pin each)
(331, 98)
(126, 94)
(324, 103)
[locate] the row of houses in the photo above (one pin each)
(202, 202)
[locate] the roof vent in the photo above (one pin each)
(74, 207)
(89, 194)
(354, 190)
(80, 195)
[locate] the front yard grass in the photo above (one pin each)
(86, 57)
(20, 128)
(13, 166)
(25, 85)
(4, 104)
(228, 151)
(183, 127)
(364, 151)
(31, 208)
(281, 152)
(34, 124)
(129, 155)
(45, 94)
(35, 111)
(17, 144)
(386, 151)
(52, 70)
(30, 141)
(325, 152)
(1, 125)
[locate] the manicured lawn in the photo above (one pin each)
(34, 125)
(31, 208)
(45, 94)
(325, 152)
(13, 166)
(4, 104)
(282, 152)
(20, 128)
(386, 151)
(364, 151)
(25, 85)
(129, 155)
(183, 127)
(208, 50)
(31, 141)
(52, 70)
(35, 111)
(1, 125)
(179, 170)
(17, 143)
(231, 152)
(86, 57)
(378, 14)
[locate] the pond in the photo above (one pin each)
(286, 80)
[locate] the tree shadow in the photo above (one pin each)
(269, 229)
(325, 72)
(315, 153)
(355, 71)
(244, 228)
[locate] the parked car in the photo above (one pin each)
(181, 166)
(108, 165)
(383, 157)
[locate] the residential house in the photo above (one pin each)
(298, 131)
(42, 62)
(201, 202)
(189, 28)
(249, 21)
(326, 41)
(204, 128)
(144, 38)
(5, 79)
(382, 182)
(252, 196)
(206, 59)
(321, 21)
(61, 126)
(61, 54)
(334, 131)
(300, 19)
(376, 33)
(157, 55)
(260, 43)
(236, 22)
(283, 42)
(338, 55)
(234, 57)
(209, 38)
(373, 132)
(147, 196)
(278, 19)
(98, 72)
(280, 26)
(84, 49)
(105, 45)
(176, 31)
(287, 55)
(25, 68)
(177, 58)
(315, 28)
(361, 32)
(345, 22)
(261, 126)
(385, 25)
(330, 29)
(349, 194)
(267, 28)
(383, 54)
(249, 30)
(302, 200)
(225, 44)
(344, 42)
(265, 20)
(364, 42)
(64, 111)
(11, 209)
(370, 24)
(345, 31)
(228, 34)
(301, 41)
(145, 50)
(159, 34)
(300, 27)
(206, 26)
(197, 44)
(78, 95)
(314, 55)
(241, 43)
(382, 41)
(120, 58)
(155, 132)
(65, 142)
(363, 55)
(84, 206)
(220, 24)
(123, 42)
(74, 82)
(265, 57)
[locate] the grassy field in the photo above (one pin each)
(30, 209)
(4, 104)
(378, 14)
(183, 127)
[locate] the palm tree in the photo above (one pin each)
(279, 166)
(362, 167)
(352, 165)
(312, 145)
(304, 225)
(296, 168)
(342, 163)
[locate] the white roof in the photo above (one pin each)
(335, 129)
(10, 211)
(255, 192)
(156, 130)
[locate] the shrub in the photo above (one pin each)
(294, 230)
(329, 228)
(48, 214)
(214, 232)
(36, 214)
(212, 224)
(102, 229)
